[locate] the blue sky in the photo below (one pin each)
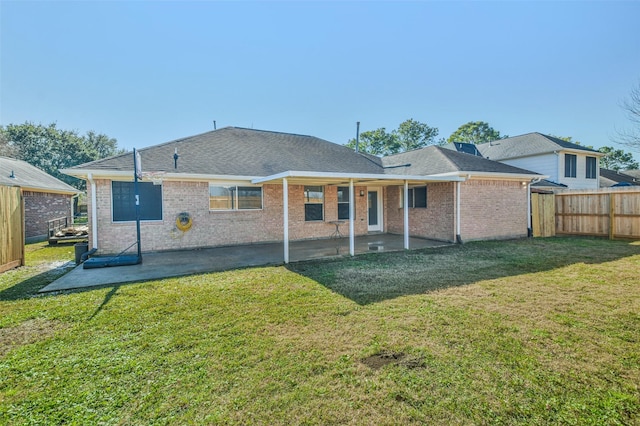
(148, 72)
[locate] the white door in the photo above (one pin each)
(374, 209)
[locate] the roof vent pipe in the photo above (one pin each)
(357, 136)
(175, 159)
(214, 125)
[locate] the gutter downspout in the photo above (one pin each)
(94, 213)
(458, 238)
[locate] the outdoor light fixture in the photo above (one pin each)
(362, 192)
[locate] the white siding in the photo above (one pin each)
(553, 166)
(545, 164)
(580, 181)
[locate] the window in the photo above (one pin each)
(235, 197)
(313, 203)
(570, 162)
(417, 197)
(123, 201)
(343, 203)
(592, 167)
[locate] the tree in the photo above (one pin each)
(52, 149)
(376, 142)
(617, 159)
(475, 132)
(631, 106)
(411, 134)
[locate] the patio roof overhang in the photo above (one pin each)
(295, 177)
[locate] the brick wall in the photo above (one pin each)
(40, 207)
(493, 209)
(218, 228)
(437, 221)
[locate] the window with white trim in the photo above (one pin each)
(232, 197)
(592, 168)
(313, 203)
(570, 163)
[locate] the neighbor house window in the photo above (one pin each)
(343, 203)
(313, 203)
(592, 167)
(417, 197)
(229, 197)
(570, 162)
(124, 205)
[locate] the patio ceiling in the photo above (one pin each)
(329, 178)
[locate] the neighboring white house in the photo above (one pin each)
(564, 162)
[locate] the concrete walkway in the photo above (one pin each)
(186, 262)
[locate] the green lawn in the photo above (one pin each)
(543, 331)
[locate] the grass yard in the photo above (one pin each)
(543, 331)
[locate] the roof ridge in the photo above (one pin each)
(446, 156)
(272, 131)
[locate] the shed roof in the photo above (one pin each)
(14, 172)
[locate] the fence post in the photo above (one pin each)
(612, 210)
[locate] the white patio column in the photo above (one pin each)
(458, 237)
(352, 219)
(406, 215)
(285, 216)
(529, 224)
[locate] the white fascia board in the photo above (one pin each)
(128, 174)
(511, 176)
(359, 176)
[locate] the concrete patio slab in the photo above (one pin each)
(186, 262)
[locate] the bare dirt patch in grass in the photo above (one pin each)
(381, 359)
(26, 333)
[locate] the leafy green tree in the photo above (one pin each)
(475, 132)
(376, 142)
(52, 149)
(411, 134)
(617, 159)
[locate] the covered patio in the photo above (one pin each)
(168, 264)
(350, 180)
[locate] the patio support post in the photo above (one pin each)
(285, 216)
(352, 219)
(529, 225)
(406, 214)
(458, 238)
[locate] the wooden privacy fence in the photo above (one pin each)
(609, 212)
(11, 228)
(543, 215)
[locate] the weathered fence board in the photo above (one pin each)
(11, 228)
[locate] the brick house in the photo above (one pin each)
(241, 186)
(45, 197)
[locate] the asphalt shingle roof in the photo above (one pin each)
(247, 152)
(438, 160)
(611, 177)
(28, 176)
(244, 152)
(525, 145)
